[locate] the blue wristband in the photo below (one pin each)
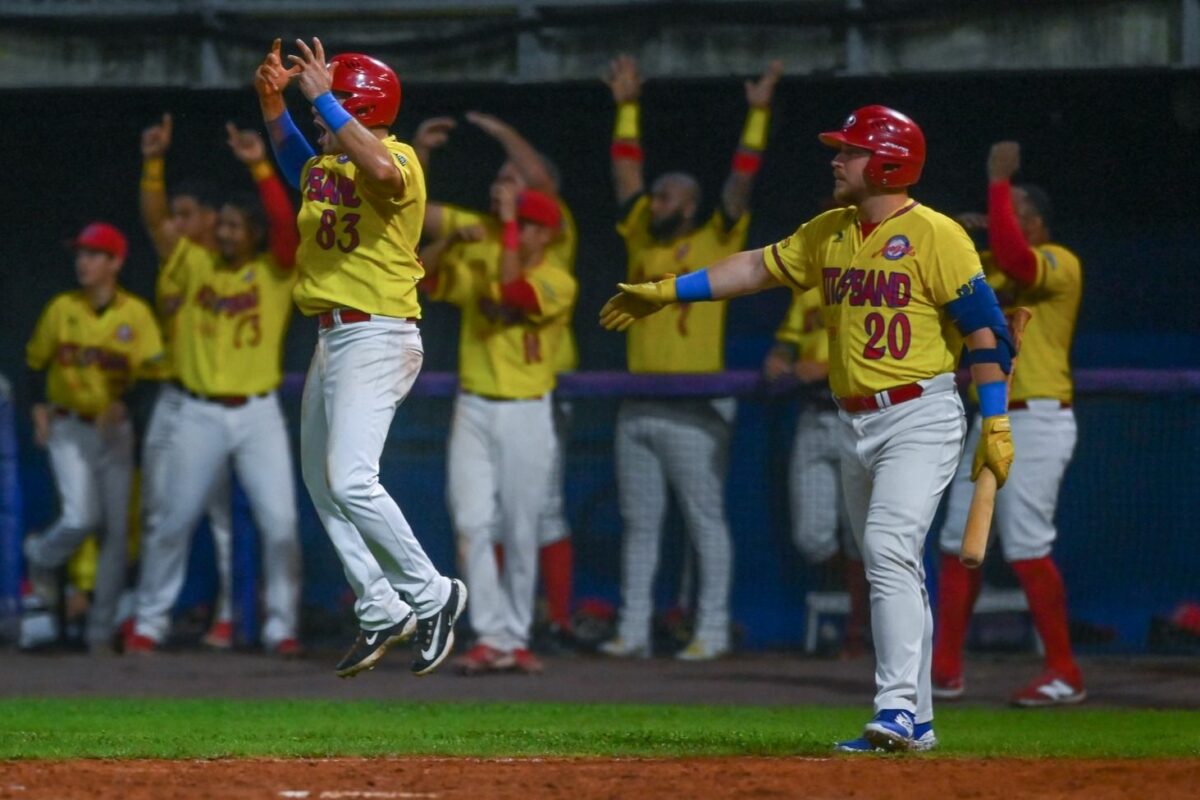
(693, 287)
(993, 398)
(332, 112)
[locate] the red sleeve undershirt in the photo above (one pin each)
(1012, 253)
(520, 294)
(282, 236)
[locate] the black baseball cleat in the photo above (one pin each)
(435, 635)
(370, 646)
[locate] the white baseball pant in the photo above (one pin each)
(553, 525)
(206, 437)
(1044, 437)
(157, 492)
(499, 467)
(93, 472)
(359, 375)
(815, 487)
(896, 463)
(683, 444)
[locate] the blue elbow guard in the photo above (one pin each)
(693, 287)
(292, 150)
(977, 308)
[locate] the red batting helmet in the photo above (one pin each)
(896, 143)
(102, 237)
(373, 87)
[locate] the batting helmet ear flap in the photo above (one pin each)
(896, 143)
(372, 87)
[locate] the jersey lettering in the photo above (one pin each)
(332, 188)
(863, 287)
(230, 305)
(74, 355)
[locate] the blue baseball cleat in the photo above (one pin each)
(859, 745)
(891, 730)
(924, 739)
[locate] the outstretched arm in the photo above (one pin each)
(152, 194)
(1011, 251)
(626, 151)
(282, 236)
(520, 152)
(432, 134)
(735, 196)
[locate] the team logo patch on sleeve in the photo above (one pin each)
(343, 159)
(124, 333)
(897, 248)
(403, 161)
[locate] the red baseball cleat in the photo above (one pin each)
(525, 661)
(289, 648)
(948, 689)
(137, 644)
(481, 659)
(1050, 689)
(219, 636)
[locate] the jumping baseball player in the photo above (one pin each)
(516, 302)
(192, 208)
(93, 342)
(360, 221)
(524, 168)
(814, 480)
(234, 309)
(895, 277)
(683, 444)
(1026, 268)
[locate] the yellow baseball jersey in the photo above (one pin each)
(502, 352)
(93, 359)
(884, 295)
(561, 252)
(231, 322)
(686, 337)
(1054, 296)
(803, 327)
(357, 250)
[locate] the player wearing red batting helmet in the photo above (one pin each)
(896, 144)
(367, 87)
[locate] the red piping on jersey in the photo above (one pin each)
(282, 236)
(1009, 248)
(782, 269)
(625, 151)
(521, 295)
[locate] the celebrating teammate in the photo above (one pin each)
(681, 443)
(360, 220)
(814, 478)
(93, 342)
(524, 168)
(516, 302)
(1026, 269)
(894, 275)
(234, 309)
(192, 209)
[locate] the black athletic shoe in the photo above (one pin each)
(370, 646)
(435, 635)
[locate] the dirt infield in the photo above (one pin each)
(577, 779)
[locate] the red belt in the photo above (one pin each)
(1020, 405)
(59, 411)
(326, 319)
(884, 399)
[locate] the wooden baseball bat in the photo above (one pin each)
(983, 501)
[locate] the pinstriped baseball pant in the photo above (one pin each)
(684, 445)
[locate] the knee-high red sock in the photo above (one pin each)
(556, 561)
(860, 605)
(958, 588)
(1047, 597)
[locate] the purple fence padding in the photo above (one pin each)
(748, 382)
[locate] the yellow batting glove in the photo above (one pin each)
(635, 301)
(995, 450)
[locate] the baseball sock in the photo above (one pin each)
(555, 561)
(1047, 597)
(958, 588)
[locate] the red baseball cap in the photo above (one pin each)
(103, 237)
(538, 208)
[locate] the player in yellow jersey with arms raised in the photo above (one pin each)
(360, 222)
(94, 342)
(516, 300)
(896, 279)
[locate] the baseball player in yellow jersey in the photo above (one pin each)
(814, 480)
(94, 343)
(234, 310)
(1026, 268)
(516, 302)
(360, 221)
(683, 444)
(192, 208)
(524, 168)
(895, 278)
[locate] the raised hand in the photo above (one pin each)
(1003, 161)
(271, 78)
(760, 92)
(156, 140)
(623, 79)
(433, 133)
(247, 146)
(488, 123)
(504, 194)
(313, 75)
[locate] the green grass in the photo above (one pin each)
(62, 728)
